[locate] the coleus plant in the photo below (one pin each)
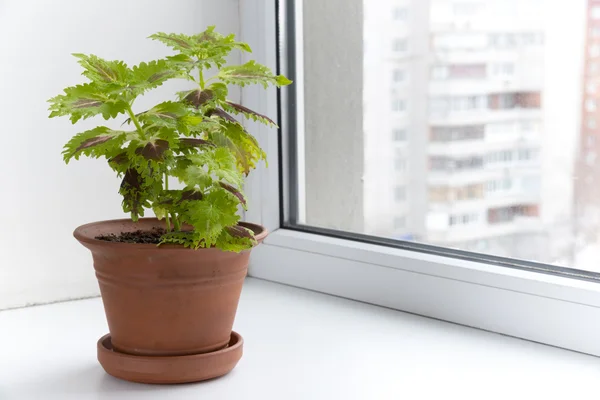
(193, 138)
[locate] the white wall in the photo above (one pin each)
(41, 199)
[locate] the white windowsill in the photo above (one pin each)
(298, 345)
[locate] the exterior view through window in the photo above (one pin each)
(465, 124)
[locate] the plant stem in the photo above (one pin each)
(176, 222)
(135, 122)
(167, 214)
(201, 78)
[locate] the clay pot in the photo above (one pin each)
(165, 300)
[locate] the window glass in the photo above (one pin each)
(467, 121)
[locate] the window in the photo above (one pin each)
(507, 214)
(526, 154)
(400, 13)
(465, 9)
(399, 223)
(595, 31)
(400, 193)
(398, 105)
(595, 14)
(398, 75)
(498, 185)
(591, 87)
(590, 104)
(399, 135)
(502, 70)
(439, 73)
(400, 164)
(503, 40)
(591, 123)
(594, 50)
(457, 133)
(400, 45)
(329, 205)
(462, 219)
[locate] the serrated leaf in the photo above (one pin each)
(191, 195)
(146, 76)
(198, 97)
(97, 142)
(165, 114)
(243, 146)
(154, 150)
(102, 71)
(176, 41)
(193, 142)
(221, 114)
(251, 73)
(240, 109)
(85, 101)
(234, 191)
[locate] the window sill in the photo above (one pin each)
(543, 308)
(298, 345)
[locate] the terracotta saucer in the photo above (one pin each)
(169, 369)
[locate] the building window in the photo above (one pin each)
(400, 13)
(502, 70)
(400, 163)
(595, 31)
(590, 104)
(400, 45)
(594, 50)
(591, 123)
(590, 87)
(462, 219)
(526, 154)
(498, 185)
(595, 12)
(398, 75)
(526, 126)
(466, 71)
(502, 40)
(457, 133)
(465, 9)
(399, 135)
(398, 105)
(439, 73)
(593, 68)
(400, 222)
(591, 140)
(507, 214)
(400, 193)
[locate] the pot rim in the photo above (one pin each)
(80, 233)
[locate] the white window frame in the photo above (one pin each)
(542, 307)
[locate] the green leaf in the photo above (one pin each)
(209, 216)
(166, 114)
(102, 71)
(146, 76)
(176, 41)
(235, 192)
(236, 239)
(251, 73)
(97, 142)
(242, 145)
(221, 114)
(248, 113)
(154, 150)
(204, 50)
(85, 101)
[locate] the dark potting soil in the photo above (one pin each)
(139, 236)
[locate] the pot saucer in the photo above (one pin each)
(169, 369)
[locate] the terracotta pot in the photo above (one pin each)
(165, 300)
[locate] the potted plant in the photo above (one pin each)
(171, 284)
